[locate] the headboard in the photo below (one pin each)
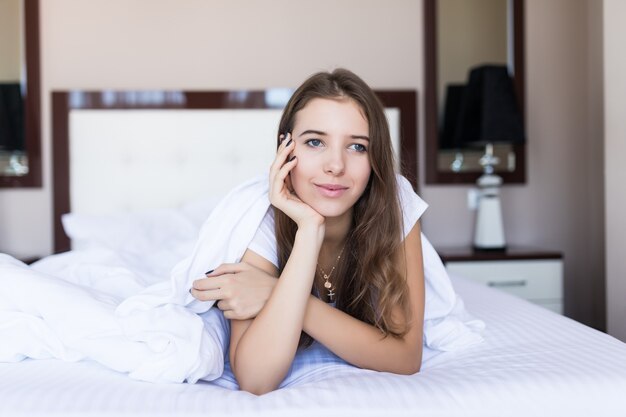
(121, 151)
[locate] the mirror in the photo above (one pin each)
(461, 35)
(20, 146)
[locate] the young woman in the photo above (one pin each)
(342, 238)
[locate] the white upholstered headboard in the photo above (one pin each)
(130, 151)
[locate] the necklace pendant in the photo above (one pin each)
(327, 285)
(331, 295)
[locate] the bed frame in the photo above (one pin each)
(176, 150)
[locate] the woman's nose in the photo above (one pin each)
(334, 163)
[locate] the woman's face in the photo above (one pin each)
(332, 144)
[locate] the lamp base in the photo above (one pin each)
(479, 249)
(489, 231)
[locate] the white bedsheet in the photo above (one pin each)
(533, 363)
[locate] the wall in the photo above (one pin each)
(615, 169)
(593, 179)
(469, 34)
(10, 29)
(223, 44)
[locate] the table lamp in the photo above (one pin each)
(11, 116)
(489, 114)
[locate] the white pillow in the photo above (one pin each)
(140, 233)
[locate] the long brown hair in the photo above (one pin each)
(369, 284)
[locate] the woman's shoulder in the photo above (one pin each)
(411, 204)
(408, 196)
(264, 240)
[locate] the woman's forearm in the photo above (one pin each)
(362, 344)
(266, 350)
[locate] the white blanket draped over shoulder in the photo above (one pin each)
(154, 333)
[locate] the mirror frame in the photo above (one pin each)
(32, 102)
(431, 124)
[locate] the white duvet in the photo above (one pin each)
(125, 310)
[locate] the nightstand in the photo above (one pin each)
(533, 274)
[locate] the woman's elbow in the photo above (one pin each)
(414, 368)
(409, 368)
(257, 380)
(412, 362)
(256, 387)
(254, 383)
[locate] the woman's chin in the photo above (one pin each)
(331, 211)
(328, 207)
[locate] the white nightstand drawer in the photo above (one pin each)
(554, 305)
(530, 279)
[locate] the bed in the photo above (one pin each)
(532, 362)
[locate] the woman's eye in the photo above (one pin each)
(314, 143)
(358, 147)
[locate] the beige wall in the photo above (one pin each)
(615, 169)
(241, 44)
(469, 33)
(10, 40)
(593, 179)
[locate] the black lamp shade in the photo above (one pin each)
(11, 117)
(489, 112)
(450, 120)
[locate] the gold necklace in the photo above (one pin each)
(327, 284)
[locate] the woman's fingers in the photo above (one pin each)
(215, 285)
(227, 269)
(207, 295)
(288, 184)
(279, 179)
(241, 290)
(214, 295)
(281, 160)
(219, 277)
(211, 283)
(280, 185)
(282, 153)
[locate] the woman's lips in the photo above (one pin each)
(331, 190)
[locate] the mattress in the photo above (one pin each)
(533, 362)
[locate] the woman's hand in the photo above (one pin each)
(241, 290)
(281, 193)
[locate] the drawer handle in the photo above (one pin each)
(519, 283)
